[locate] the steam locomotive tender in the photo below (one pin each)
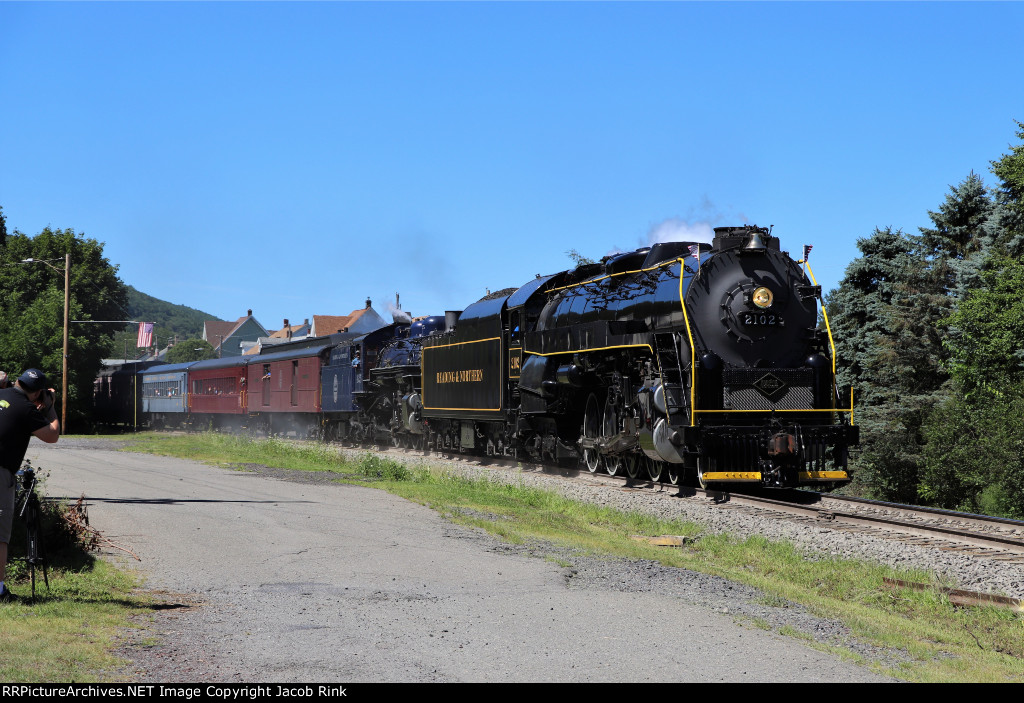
(701, 363)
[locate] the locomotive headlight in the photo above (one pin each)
(762, 298)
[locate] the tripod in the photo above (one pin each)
(29, 510)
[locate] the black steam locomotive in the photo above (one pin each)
(682, 360)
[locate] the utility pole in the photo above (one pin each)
(64, 372)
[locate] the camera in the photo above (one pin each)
(28, 477)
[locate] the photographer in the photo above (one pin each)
(26, 409)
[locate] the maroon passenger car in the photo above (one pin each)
(283, 389)
(217, 393)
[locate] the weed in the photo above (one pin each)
(377, 467)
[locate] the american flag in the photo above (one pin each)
(695, 251)
(145, 335)
(807, 250)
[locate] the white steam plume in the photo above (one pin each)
(397, 313)
(677, 230)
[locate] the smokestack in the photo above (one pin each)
(249, 312)
(367, 302)
(450, 318)
(287, 329)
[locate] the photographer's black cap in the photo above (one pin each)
(33, 380)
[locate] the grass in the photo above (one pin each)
(234, 450)
(918, 636)
(69, 631)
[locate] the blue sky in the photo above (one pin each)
(295, 158)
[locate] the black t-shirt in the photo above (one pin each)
(19, 418)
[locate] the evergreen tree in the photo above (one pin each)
(1009, 169)
(861, 307)
(888, 350)
(964, 232)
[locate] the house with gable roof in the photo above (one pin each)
(227, 338)
(287, 334)
(359, 321)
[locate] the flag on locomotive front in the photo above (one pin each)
(145, 335)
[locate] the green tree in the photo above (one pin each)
(965, 228)
(862, 307)
(986, 339)
(974, 454)
(32, 309)
(190, 350)
(929, 330)
(1009, 169)
(885, 316)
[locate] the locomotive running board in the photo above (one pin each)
(824, 476)
(732, 476)
(756, 476)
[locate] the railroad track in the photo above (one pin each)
(977, 536)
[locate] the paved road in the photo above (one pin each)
(304, 582)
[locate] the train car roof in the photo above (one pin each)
(288, 354)
(226, 362)
(328, 340)
(168, 368)
(360, 337)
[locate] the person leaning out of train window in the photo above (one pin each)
(356, 360)
(26, 410)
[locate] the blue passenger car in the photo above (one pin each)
(165, 394)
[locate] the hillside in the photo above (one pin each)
(170, 319)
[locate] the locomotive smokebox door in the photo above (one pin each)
(744, 309)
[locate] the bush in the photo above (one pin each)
(974, 456)
(376, 467)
